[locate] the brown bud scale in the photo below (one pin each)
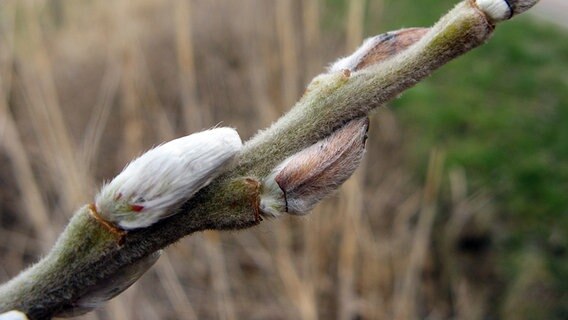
(311, 174)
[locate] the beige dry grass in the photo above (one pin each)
(85, 86)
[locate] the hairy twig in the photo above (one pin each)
(90, 264)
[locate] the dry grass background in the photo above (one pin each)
(87, 85)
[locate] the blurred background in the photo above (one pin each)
(459, 211)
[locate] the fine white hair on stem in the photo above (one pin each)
(150, 187)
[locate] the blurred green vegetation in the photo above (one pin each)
(501, 114)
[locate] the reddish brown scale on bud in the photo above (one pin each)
(389, 44)
(379, 48)
(308, 176)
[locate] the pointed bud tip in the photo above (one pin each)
(228, 136)
(520, 6)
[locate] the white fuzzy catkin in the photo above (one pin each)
(150, 187)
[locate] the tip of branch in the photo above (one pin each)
(500, 10)
(520, 6)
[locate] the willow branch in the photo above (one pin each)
(87, 254)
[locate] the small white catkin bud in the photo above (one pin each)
(499, 10)
(151, 187)
(13, 315)
(496, 10)
(302, 180)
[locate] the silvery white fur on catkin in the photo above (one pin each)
(165, 176)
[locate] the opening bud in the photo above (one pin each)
(298, 183)
(379, 48)
(150, 187)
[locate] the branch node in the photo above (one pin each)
(119, 233)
